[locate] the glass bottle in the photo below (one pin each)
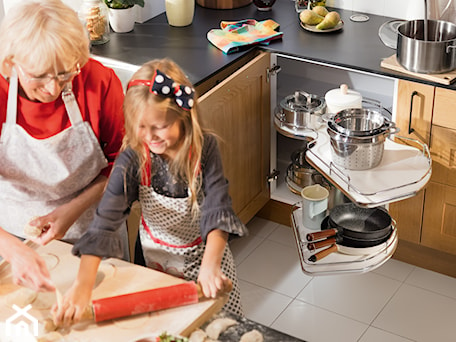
(94, 16)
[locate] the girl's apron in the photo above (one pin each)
(38, 175)
(171, 241)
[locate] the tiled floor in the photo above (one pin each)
(397, 302)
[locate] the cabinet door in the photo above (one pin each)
(414, 110)
(408, 215)
(443, 152)
(439, 220)
(444, 108)
(238, 111)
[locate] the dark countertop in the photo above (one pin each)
(357, 46)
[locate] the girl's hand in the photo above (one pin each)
(213, 282)
(73, 306)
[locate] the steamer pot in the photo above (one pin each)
(301, 111)
(435, 55)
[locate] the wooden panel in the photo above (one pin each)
(238, 111)
(416, 98)
(443, 152)
(445, 108)
(408, 215)
(439, 220)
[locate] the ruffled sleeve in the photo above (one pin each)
(217, 211)
(102, 238)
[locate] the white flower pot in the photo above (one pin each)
(122, 20)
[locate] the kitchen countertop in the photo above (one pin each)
(357, 46)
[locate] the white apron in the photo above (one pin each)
(38, 175)
(171, 241)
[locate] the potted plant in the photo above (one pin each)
(121, 14)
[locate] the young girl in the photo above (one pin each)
(174, 168)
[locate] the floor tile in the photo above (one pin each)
(395, 269)
(274, 266)
(433, 281)
(377, 335)
(359, 297)
(419, 315)
(262, 305)
(261, 227)
(242, 247)
(314, 324)
(284, 235)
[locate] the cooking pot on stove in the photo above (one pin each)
(301, 111)
(435, 55)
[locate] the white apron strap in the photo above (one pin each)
(71, 105)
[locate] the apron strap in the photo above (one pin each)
(11, 109)
(71, 105)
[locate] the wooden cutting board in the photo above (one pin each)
(392, 64)
(115, 277)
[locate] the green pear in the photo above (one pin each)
(329, 22)
(320, 10)
(309, 17)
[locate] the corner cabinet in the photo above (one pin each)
(426, 223)
(238, 109)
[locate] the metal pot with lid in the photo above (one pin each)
(301, 110)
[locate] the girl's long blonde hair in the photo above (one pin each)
(139, 99)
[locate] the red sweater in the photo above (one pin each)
(99, 94)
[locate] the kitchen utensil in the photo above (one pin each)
(342, 98)
(324, 253)
(301, 111)
(223, 4)
(435, 55)
(264, 5)
(361, 122)
(300, 172)
(358, 152)
(312, 246)
(314, 205)
(145, 301)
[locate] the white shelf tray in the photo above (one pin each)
(337, 262)
(403, 171)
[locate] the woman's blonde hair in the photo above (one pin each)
(40, 34)
(140, 100)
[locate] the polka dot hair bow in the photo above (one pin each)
(165, 86)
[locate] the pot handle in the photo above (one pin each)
(320, 255)
(450, 47)
(327, 117)
(321, 234)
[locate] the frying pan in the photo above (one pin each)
(338, 236)
(360, 223)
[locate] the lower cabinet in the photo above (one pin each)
(427, 222)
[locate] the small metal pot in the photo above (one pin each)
(435, 55)
(361, 122)
(301, 111)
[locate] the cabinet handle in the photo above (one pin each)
(410, 129)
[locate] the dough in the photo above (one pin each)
(252, 336)
(15, 294)
(32, 231)
(219, 325)
(197, 336)
(53, 336)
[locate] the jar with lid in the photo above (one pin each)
(94, 16)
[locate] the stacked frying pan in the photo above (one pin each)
(351, 230)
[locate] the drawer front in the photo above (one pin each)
(445, 108)
(443, 152)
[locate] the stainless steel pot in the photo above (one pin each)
(434, 55)
(361, 122)
(301, 111)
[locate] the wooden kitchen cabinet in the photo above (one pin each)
(426, 223)
(238, 110)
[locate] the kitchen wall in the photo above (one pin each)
(405, 9)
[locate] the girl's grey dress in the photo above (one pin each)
(171, 240)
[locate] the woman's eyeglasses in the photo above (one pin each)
(62, 77)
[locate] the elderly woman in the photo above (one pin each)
(62, 126)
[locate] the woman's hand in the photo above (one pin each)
(27, 266)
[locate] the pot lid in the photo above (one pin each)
(343, 96)
(301, 101)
